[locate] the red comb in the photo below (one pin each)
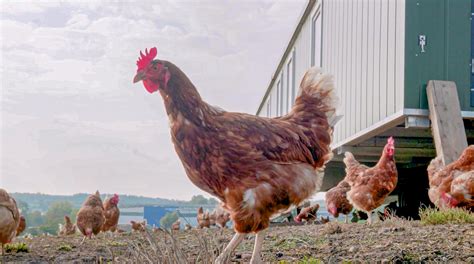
(390, 140)
(144, 60)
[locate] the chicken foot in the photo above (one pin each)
(225, 255)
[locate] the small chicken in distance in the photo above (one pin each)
(9, 218)
(203, 218)
(176, 226)
(21, 226)
(222, 217)
(325, 220)
(90, 218)
(138, 226)
(188, 227)
(308, 214)
(68, 228)
(111, 213)
(336, 200)
(370, 186)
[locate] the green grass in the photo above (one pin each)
(434, 216)
(16, 248)
(117, 244)
(305, 260)
(65, 247)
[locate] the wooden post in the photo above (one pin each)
(446, 121)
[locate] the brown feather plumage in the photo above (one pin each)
(256, 166)
(111, 214)
(370, 186)
(336, 199)
(90, 218)
(453, 184)
(9, 217)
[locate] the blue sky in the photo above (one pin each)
(71, 119)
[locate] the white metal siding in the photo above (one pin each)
(363, 46)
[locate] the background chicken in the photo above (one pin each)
(9, 218)
(21, 226)
(176, 225)
(256, 166)
(203, 218)
(452, 185)
(68, 228)
(222, 217)
(370, 186)
(138, 226)
(336, 200)
(111, 213)
(90, 218)
(308, 214)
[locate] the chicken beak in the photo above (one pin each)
(140, 76)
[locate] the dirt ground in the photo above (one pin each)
(389, 242)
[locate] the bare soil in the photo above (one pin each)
(394, 241)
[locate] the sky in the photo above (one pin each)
(71, 119)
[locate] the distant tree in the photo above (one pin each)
(167, 220)
(23, 206)
(34, 218)
(212, 201)
(55, 215)
(198, 199)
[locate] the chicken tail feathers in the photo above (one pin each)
(349, 160)
(317, 92)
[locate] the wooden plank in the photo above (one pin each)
(373, 158)
(446, 120)
(376, 151)
(399, 142)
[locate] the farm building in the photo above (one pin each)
(382, 54)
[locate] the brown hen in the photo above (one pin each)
(9, 218)
(256, 166)
(111, 213)
(370, 186)
(90, 218)
(453, 185)
(336, 200)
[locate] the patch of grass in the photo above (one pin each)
(117, 244)
(435, 216)
(16, 248)
(65, 247)
(311, 260)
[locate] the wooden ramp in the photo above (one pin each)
(446, 121)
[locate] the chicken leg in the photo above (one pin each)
(225, 255)
(369, 218)
(346, 219)
(257, 249)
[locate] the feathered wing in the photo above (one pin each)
(302, 136)
(354, 169)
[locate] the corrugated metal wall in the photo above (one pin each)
(363, 46)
